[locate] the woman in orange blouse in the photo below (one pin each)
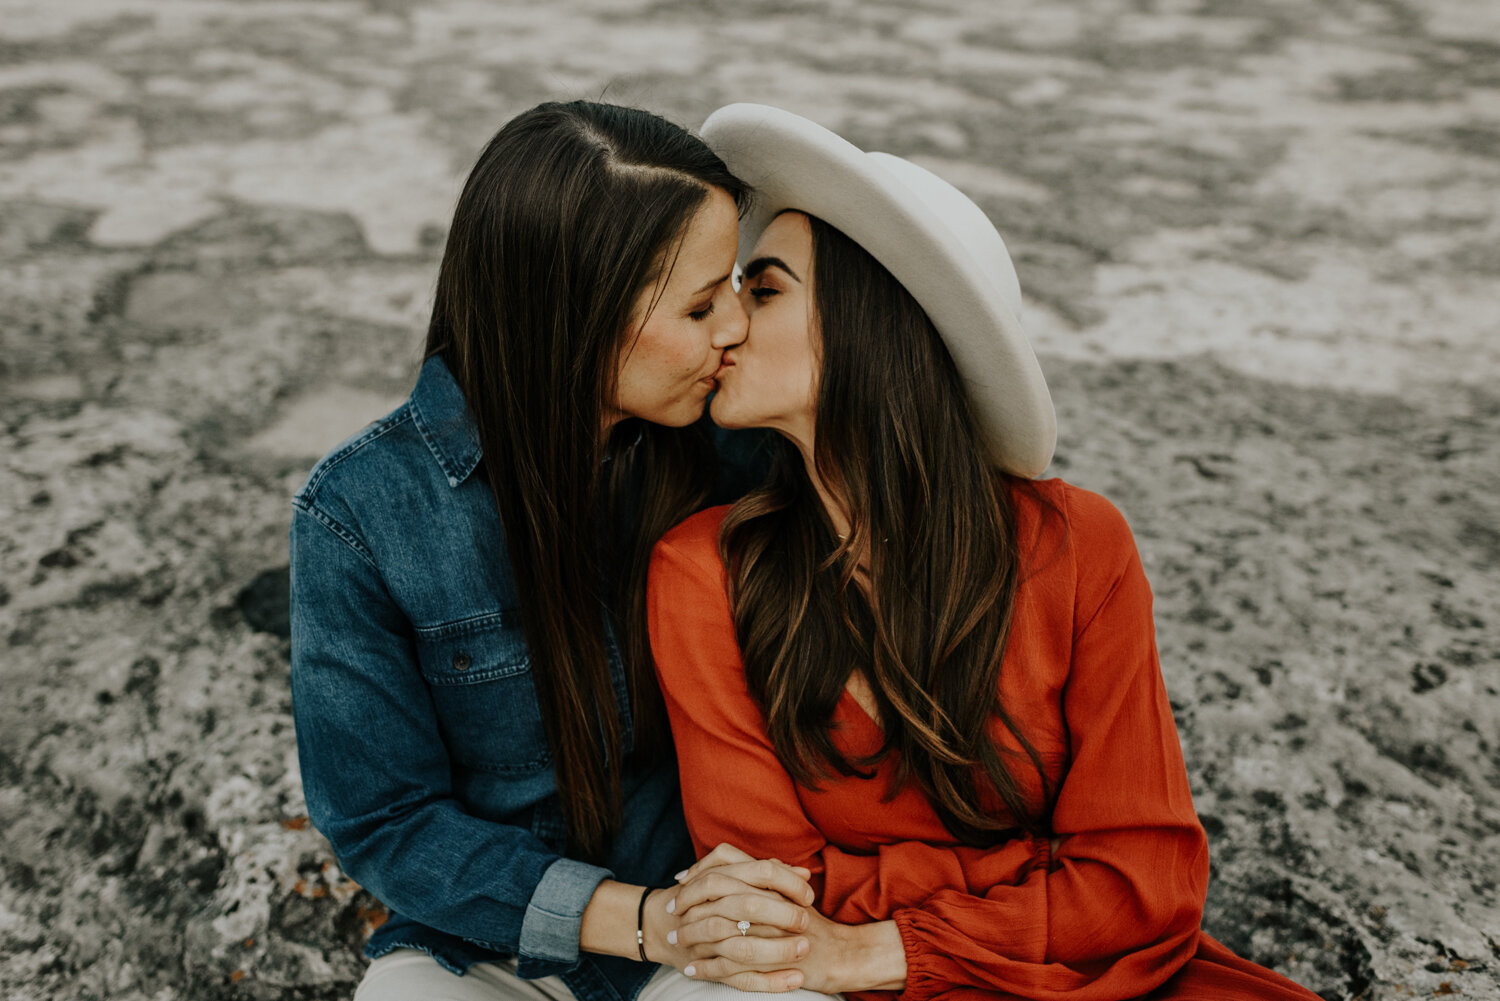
(903, 664)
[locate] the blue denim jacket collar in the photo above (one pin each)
(441, 414)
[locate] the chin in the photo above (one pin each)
(722, 414)
(676, 418)
(681, 414)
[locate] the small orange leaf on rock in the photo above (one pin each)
(1446, 988)
(295, 823)
(236, 976)
(249, 942)
(373, 918)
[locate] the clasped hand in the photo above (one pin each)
(735, 919)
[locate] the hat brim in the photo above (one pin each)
(793, 163)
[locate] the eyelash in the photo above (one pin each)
(699, 315)
(762, 293)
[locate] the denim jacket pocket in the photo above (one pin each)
(479, 674)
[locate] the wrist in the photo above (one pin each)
(608, 925)
(871, 958)
(656, 926)
(640, 924)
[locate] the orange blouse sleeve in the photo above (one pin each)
(1111, 914)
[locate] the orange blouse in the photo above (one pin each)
(1113, 913)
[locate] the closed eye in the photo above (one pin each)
(762, 293)
(702, 314)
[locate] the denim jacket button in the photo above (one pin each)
(461, 661)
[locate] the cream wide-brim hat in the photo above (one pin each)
(928, 234)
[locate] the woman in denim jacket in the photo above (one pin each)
(480, 734)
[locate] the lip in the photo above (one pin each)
(713, 380)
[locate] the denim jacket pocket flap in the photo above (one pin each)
(479, 676)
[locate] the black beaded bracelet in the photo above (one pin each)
(640, 924)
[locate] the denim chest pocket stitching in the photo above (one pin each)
(478, 672)
(464, 669)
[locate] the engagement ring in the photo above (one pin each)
(744, 927)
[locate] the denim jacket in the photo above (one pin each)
(423, 754)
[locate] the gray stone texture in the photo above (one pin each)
(1259, 243)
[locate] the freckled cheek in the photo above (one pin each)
(692, 356)
(679, 363)
(691, 372)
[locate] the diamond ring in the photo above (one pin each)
(743, 926)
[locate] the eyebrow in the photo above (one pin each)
(760, 264)
(708, 285)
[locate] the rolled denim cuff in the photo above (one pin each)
(550, 929)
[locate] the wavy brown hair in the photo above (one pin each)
(920, 595)
(571, 211)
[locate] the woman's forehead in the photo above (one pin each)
(789, 233)
(705, 252)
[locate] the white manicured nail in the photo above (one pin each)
(680, 876)
(672, 937)
(691, 971)
(672, 906)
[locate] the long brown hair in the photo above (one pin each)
(920, 595)
(571, 211)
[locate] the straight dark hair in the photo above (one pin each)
(920, 595)
(572, 212)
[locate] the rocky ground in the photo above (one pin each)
(1261, 243)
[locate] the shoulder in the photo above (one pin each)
(1077, 518)
(1093, 520)
(687, 603)
(365, 462)
(691, 548)
(1080, 533)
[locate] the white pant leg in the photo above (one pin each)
(412, 975)
(670, 985)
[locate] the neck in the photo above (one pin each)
(838, 511)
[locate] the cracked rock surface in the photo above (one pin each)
(1261, 249)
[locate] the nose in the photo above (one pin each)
(735, 325)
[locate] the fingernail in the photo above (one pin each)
(691, 971)
(801, 947)
(680, 876)
(672, 937)
(672, 906)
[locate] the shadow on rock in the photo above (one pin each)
(265, 602)
(1270, 922)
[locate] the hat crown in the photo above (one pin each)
(965, 220)
(929, 235)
